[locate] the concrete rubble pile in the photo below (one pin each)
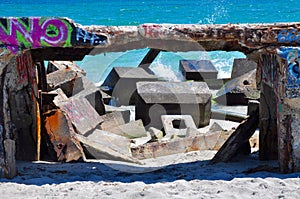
(150, 118)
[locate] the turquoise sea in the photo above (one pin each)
(135, 12)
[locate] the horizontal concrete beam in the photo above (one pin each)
(200, 37)
(41, 32)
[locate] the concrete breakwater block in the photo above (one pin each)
(198, 70)
(208, 141)
(84, 88)
(122, 81)
(74, 84)
(64, 79)
(81, 88)
(61, 65)
(130, 130)
(238, 91)
(242, 66)
(115, 119)
(173, 98)
(177, 125)
(82, 115)
(105, 145)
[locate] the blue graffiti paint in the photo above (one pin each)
(285, 36)
(286, 52)
(84, 37)
(292, 56)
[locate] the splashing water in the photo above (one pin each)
(218, 12)
(166, 72)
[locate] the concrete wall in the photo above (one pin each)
(18, 107)
(279, 108)
(289, 111)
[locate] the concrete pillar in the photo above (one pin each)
(18, 105)
(280, 112)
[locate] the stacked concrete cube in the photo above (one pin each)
(198, 70)
(122, 81)
(173, 98)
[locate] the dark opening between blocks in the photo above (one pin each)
(179, 124)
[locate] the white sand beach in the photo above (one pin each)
(176, 176)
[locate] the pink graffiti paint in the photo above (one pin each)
(26, 69)
(152, 31)
(35, 34)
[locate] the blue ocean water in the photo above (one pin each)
(135, 12)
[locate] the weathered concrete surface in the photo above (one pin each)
(84, 88)
(289, 137)
(116, 142)
(82, 115)
(106, 148)
(237, 140)
(130, 130)
(169, 37)
(198, 70)
(60, 96)
(172, 98)
(123, 82)
(114, 119)
(280, 96)
(209, 141)
(64, 79)
(242, 66)
(105, 97)
(155, 134)
(188, 37)
(18, 104)
(177, 125)
(62, 136)
(61, 65)
(268, 136)
(238, 91)
(10, 167)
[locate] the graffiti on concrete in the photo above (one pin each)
(25, 68)
(84, 37)
(20, 33)
(26, 73)
(289, 36)
(151, 30)
(291, 55)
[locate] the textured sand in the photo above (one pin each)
(177, 176)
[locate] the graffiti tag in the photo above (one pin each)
(289, 36)
(83, 36)
(20, 33)
(152, 31)
(25, 68)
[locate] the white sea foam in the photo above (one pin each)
(166, 72)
